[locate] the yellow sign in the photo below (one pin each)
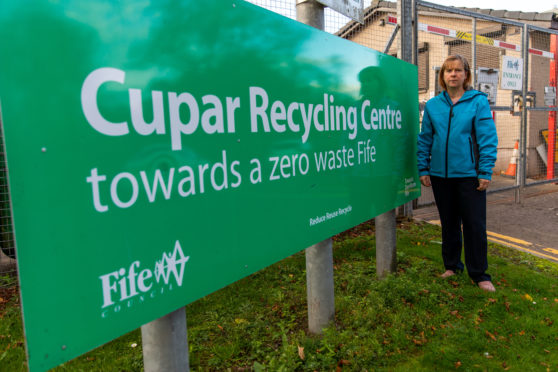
(469, 37)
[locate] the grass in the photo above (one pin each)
(412, 320)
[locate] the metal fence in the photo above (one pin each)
(524, 114)
(7, 246)
(333, 20)
(540, 132)
(525, 117)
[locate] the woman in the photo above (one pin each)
(456, 154)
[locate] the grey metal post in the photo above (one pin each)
(522, 173)
(405, 19)
(319, 257)
(310, 12)
(385, 223)
(415, 22)
(408, 51)
(386, 261)
(319, 285)
(414, 203)
(391, 39)
(412, 35)
(474, 54)
(165, 343)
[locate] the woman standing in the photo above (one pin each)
(456, 154)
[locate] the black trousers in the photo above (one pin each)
(459, 202)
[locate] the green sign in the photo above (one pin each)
(161, 150)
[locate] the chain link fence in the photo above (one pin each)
(513, 70)
(493, 42)
(541, 157)
(444, 33)
(334, 21)
(8, 270)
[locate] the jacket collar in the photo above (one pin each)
(469, 94)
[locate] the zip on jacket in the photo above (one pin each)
(448, 137)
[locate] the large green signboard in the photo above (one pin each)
(160, 150)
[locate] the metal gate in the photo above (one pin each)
(512, 55)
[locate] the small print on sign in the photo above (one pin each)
(512, 73)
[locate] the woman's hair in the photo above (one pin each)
(466, 67)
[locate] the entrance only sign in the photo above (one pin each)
(512, 73)
(159, 151)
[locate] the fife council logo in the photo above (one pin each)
(168, 265)
(127, 287)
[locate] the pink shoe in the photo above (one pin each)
(447, 274)
(486, 285)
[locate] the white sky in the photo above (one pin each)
(522, 5)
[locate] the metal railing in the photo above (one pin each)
(523, 116)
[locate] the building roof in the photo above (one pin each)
(502, 13)
(548, 16)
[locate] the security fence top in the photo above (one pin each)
(545, 108)
(507, 108)
(542, 29)
(486, 17)
(467, 36)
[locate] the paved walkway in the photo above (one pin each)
(531, 226)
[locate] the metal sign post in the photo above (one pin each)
(319, 257)
(165, 343)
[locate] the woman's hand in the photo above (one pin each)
(425, 180)
(483, 184)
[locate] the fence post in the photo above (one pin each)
(319, 257)
(310, 12)
(405, 17)
(165, 343)
(550, 160)
(385, 223)
(412, 34)
(414, 21)
(414, 203)
(522, 174)
(474, 53)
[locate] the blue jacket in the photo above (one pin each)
(457, 140)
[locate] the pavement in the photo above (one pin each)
(530, 226)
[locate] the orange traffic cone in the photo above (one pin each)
(512, 168)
